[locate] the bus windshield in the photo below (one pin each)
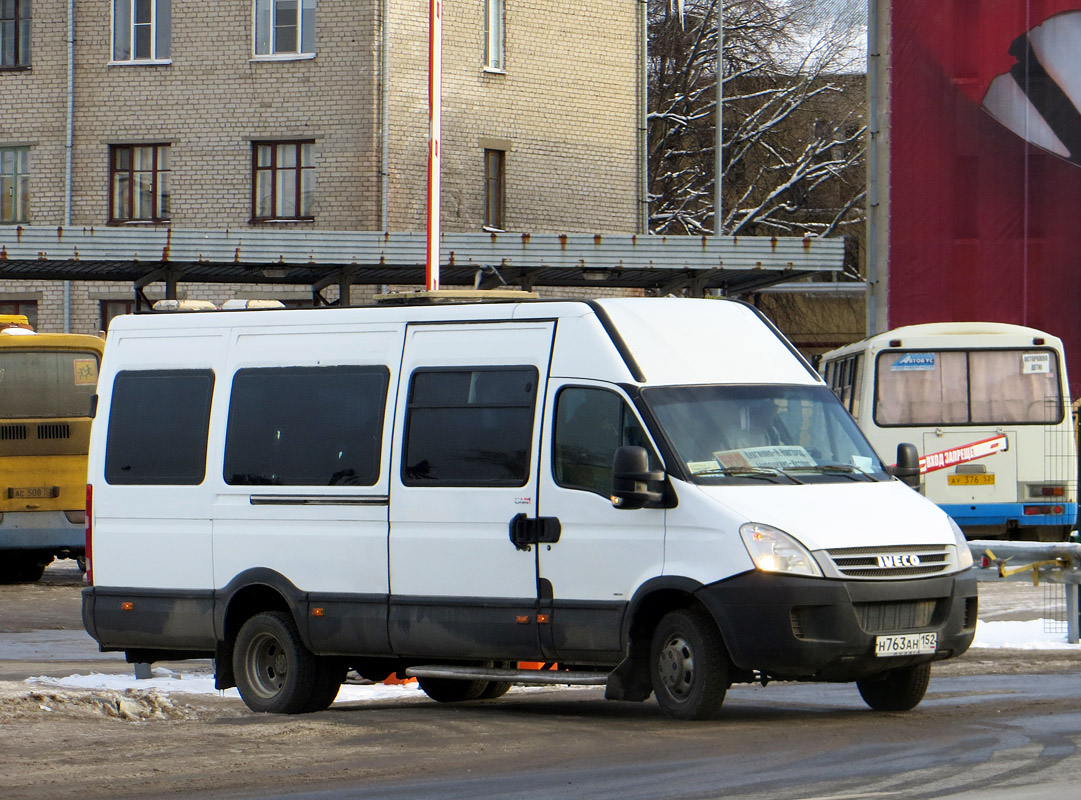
(777, 434)
(46, 383)
(968, 387)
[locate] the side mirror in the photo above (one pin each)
(908, 465)
(631, 477)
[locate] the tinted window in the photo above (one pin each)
(157, 427)
(590, 425)
(306, 426)
(469, 427)
(46, 383)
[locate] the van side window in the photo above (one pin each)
(158, 427)
(306, 426)
(590, 424)
(469, 426)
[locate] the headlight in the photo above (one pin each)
(775, 551)
(964, 554)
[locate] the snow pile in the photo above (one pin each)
(1037, 634)
(128, 704)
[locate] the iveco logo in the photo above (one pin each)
(893, 562)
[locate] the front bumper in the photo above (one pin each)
(788, 627)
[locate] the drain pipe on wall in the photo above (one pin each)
(69, 144)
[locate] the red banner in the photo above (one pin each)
(985, 164)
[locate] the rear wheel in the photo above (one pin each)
(688, 665)
(447, 690)
(274, 671)
(899, 689)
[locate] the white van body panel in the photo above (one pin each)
(719, 351)
(702, 541)
(151, 520)
(325, 536)
(828, 516)
(436, 526)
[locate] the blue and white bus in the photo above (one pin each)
(988, 407)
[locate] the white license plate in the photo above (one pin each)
(906, 644)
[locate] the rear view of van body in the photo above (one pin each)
(657, 495)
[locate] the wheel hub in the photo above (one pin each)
(676, 666)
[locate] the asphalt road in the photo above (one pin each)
(996, 725)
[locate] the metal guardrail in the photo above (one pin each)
(1049, 562)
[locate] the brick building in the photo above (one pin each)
(308, 115)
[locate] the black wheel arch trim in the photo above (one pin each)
(295, 599)
(665, 583)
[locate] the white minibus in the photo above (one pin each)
(657, 495)
(988, 406)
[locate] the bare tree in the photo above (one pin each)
(793, 130)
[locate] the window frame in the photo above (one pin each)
(28, 308)
(127, 431)
(299, 168)
(967, 353)
(304, 31)
(18, 178)
(412, 405)
(628, 419)
(495, 36)
(158, 193)
(495, 189)
(21, 20)
(240, 426)
(159, 40)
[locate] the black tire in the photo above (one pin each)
(16, 568)
(899, 689)
(495, 689)
(688, 665)
(32, 570)
(448, 690)
(274, 671)
(329, 677)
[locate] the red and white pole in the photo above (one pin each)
(435, 100)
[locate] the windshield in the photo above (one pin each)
(768, 434)
(46, 383)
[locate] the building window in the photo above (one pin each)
(141, 30)
(283, 180)
(494, 188)
(139, 176)
(284, 27)
(469, 427)
(27, 308)
(109, 309)
(14, 33)
(169, 409)
(493, 35)
(14, 184)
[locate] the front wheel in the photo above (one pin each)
(899, 689)
(275, 673)
(689, 666)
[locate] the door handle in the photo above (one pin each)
(526, 530)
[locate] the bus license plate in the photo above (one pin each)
(33, 492)
(906, 644)
(983, 479)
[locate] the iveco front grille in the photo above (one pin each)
(885, 563)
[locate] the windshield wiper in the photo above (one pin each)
(763, 473)
(847, 470)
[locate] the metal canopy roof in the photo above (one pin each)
(733, 265)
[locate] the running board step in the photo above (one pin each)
(530, 677)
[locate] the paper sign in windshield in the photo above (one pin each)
(966, 452)
(773, 457)
(1036, 363)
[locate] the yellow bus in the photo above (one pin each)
(47, 381)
